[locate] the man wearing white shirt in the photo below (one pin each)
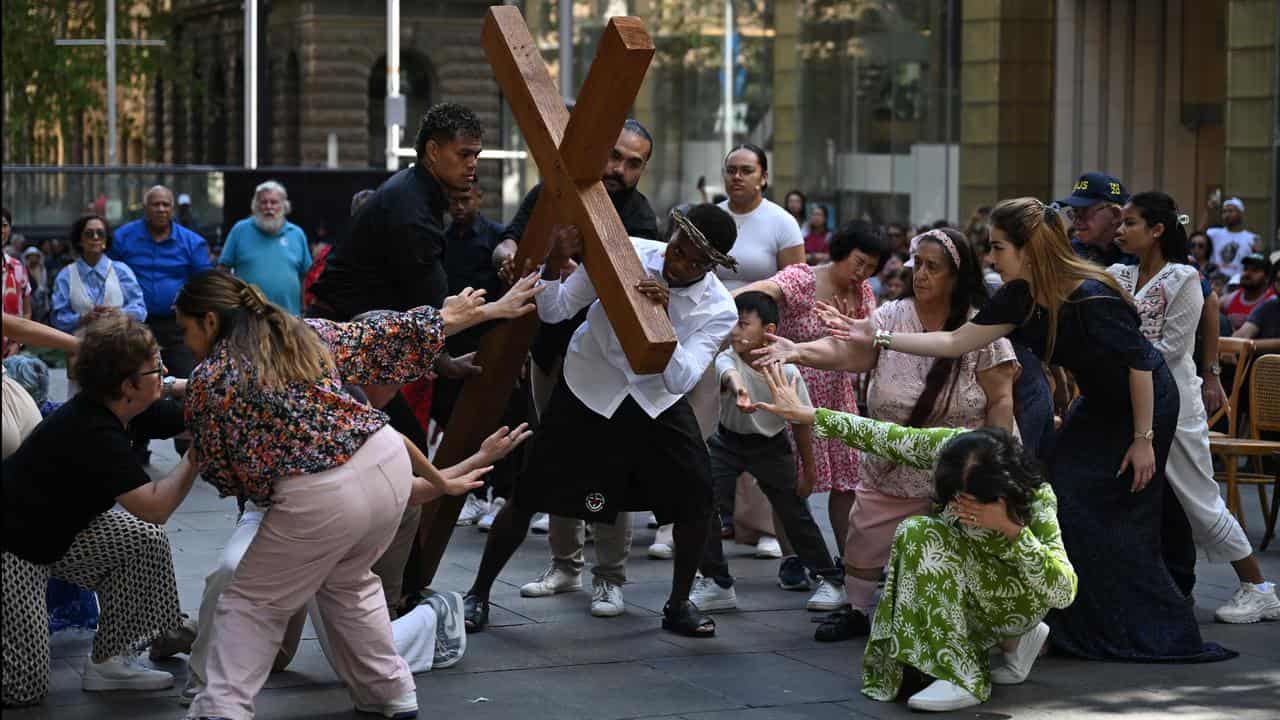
(1232, 242)
(612, 440)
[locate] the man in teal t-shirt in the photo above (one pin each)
(268, 251)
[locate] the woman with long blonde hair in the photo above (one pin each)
(273, 426)
(1107, 466)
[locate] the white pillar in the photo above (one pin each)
(251, 83)
(566, 50)
(728, 76)
(393, 82)
(112, 140)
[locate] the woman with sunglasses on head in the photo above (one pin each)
(93, 282)
(1107, 467)
(1168, 296)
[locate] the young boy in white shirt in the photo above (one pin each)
(753, 441)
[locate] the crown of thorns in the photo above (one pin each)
(700, 241)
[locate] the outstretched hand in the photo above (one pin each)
(457, 368)
(776, 351)
(844, 327)
(502, 442)
(463, 310)
(743, 401)
(517, 301)
(786, 398)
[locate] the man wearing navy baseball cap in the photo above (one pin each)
(1094, 209)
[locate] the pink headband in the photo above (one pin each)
(942, 238)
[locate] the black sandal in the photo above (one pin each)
(475, 613)
(687, 620)
(843, 624)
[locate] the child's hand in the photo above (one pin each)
(743, 401)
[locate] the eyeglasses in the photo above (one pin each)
(158, 371)
(94, 233)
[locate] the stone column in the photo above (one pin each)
(1006, 82)
(1251, 111)
(785, 172)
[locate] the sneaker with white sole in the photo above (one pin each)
(177, 640)
(402, 708)
(486, 522)
(451, 631)
(661, 551)
(768, 548)
(552, 581)
(1017, 664)
(472, 510)
(123, 672)
(942, 696)
(606, 599)
(709, 597)
(829, 596)
(541, 524)
(1250, 605)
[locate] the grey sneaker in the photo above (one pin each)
(451, 632)
(1249, 605)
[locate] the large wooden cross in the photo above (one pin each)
(571, 150)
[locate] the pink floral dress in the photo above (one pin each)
(836, 464)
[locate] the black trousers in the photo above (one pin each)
(772, 463)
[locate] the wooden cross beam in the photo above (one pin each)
(570, 150)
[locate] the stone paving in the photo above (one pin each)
(548, 658)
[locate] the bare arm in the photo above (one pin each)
(1211, 390)
(29, 332)
(793, 255)
(1141, 455)
(804, 445)
(429, 483)
(1248, 331)
(952, 343)
(768, 287)
(997, 383)
(156, 501)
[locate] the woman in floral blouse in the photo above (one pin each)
(272, 424)
(1166, 291)
(983, 572)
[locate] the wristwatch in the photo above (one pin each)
(166, 386)
(1215, 369)
(1148, 435)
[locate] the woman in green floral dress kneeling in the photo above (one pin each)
(981, 573)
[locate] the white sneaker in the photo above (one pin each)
(942, 696)
(553, 580)
(402, 708)
(829, 596)
(768, 548)
(710, 597)
(451, 631)
(541, 524)
(606, 599)
(486, 522)
(123, 672)
(1249, 605)
(661, 551)
(472, 510)
(1017, 664)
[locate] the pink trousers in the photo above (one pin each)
(320, 536)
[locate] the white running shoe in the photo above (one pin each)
(709, 597)
(661, 551)
(486, 522)
(123, 672)
(768, 548)
(402, 708)
(1249, 605)
(472, 510)
(1017, 664)
(606, 599)
(942, 696)
(541, 524)
(829, 596)
(553, 580)
(451, 631)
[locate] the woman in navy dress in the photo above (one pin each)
(1107, 464)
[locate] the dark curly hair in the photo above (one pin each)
(989, 464)
(446, 122)
(113, 348)
(859, 235)
(77, 230)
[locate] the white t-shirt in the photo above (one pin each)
(1229, 248)
(759, 422)
(762, 233)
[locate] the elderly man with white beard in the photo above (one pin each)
(267, 250)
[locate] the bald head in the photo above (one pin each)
(157, 208)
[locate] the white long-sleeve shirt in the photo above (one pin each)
(595, 367)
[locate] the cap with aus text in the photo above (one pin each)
(1096, 187)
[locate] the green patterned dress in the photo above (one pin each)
(952, 591)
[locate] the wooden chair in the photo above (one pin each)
(1240, 352)
(1264, 416)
